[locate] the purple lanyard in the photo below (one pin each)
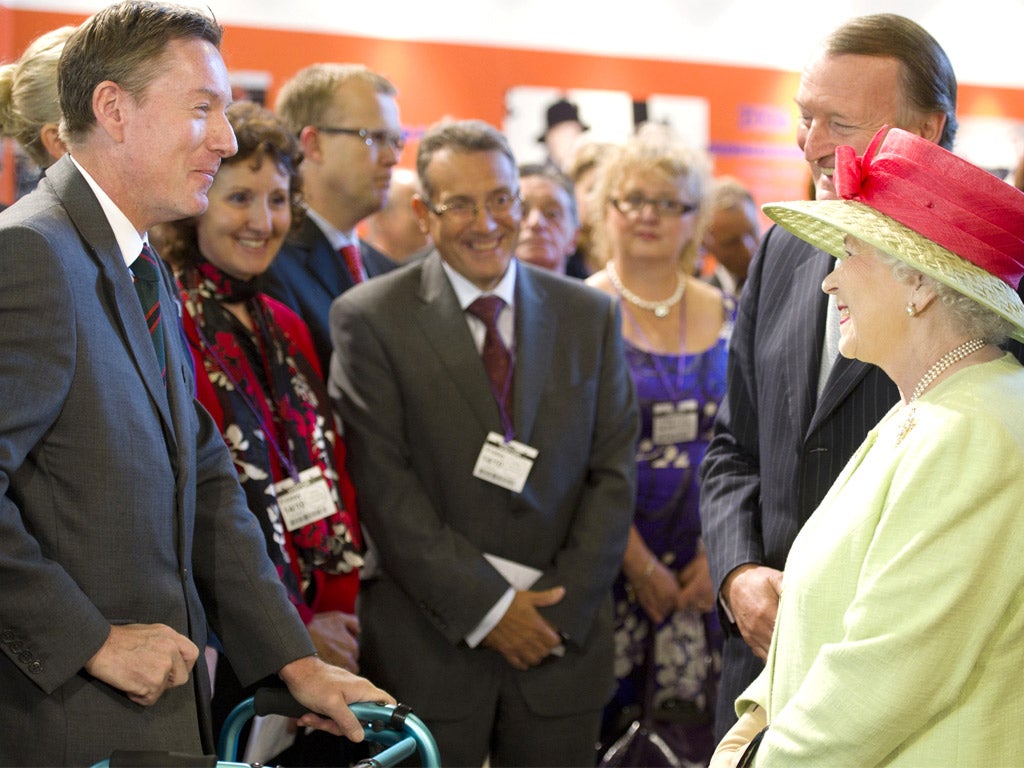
(506, 421)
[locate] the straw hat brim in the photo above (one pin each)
(826, 223)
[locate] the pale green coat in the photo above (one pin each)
(900, 634)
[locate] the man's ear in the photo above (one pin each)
(931, 125)
(109, 105)
(419, 207)
(309, 139)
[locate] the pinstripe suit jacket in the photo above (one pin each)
(777, 448)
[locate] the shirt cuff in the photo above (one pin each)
(490, 621)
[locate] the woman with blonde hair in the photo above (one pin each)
(29, 108)
(898, 637)
(647, 224)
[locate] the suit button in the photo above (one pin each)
(35, 667)
(16, 646)
(7, 636)
(25, 657)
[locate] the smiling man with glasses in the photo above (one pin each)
(346, 118)
(492, 425)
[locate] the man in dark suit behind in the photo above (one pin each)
(346, 119)
(498, 503)
(124, 533)
(793, 413)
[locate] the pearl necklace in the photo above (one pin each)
(659, 308)
(955, 355)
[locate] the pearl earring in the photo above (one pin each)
(911, 309)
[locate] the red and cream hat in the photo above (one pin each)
(927, 207)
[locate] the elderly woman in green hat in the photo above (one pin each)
(900, 634)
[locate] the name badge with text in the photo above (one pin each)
(674, 422)
(505, 464)
(306, 501)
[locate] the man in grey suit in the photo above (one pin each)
(346, 119)
(124, 534)
(793, 413)
(494, 464)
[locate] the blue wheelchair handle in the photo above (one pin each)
(394, 726)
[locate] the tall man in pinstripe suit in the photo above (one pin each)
(794, 413)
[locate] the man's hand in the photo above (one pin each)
(327, 690)
(523, 636)
(752, 593)
(143, 660)
(335, 636)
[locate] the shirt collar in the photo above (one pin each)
(335, 236)
(467, 293)
(128, 238)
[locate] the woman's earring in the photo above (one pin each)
(911, 309)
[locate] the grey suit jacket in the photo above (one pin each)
(417, 406)
(777, 448)
(307, 275)
(120, 503)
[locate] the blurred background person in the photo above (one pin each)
(29, 108)
(394, 230)
(583, 174)
(346, 118)
(732, 235)
(562, 131)
(647, 216)
(257, 373)
(897, 640)
(547, 232)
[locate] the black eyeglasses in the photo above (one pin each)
(464, 210)
(663, 206)
(394, 139)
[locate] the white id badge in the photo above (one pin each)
(306, 501)
(674, 422)
(505, 464)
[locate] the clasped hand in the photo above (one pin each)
(523, 636)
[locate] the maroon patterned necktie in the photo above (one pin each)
(146, 274)
(354, 262)
(497, 359)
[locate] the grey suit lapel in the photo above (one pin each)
(442, 322)
(535, 335)
(88, 218)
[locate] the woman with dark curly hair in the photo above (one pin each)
(258, 375)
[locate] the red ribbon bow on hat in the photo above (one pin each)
(851, 172)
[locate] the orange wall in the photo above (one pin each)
(752, 120)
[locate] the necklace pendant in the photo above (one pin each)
(906, 426)
(661, 311)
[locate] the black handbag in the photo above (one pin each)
(646, 741)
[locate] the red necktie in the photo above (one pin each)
(354, 262)
(146, 277)
(497, 359)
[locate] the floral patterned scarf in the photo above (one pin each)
(276, 413)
